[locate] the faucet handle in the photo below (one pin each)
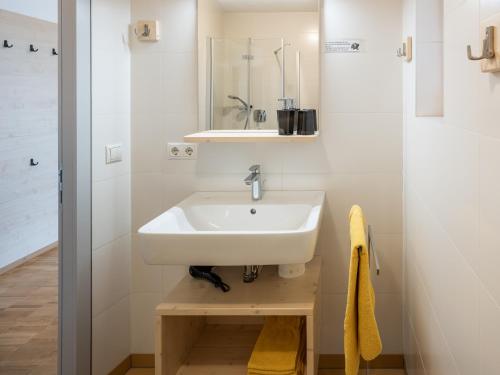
(255, 168)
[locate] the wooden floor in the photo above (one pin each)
(28, 317)
(150, 371)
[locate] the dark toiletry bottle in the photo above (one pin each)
(307, 123)
(287, 121)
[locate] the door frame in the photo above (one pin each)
(75, 204)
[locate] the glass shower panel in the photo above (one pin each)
(230, 88)
(245, 82)
(265, 82)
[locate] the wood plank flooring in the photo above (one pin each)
(28, 317)
(150, 371)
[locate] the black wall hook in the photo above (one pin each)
(6, 44)
(33, 163)
(54, 52)
(33, 49)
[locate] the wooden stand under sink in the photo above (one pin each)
(200, 330)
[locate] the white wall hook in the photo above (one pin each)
(406, 50)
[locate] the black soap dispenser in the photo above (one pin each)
(287, 117)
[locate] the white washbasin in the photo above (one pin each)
(220, 229)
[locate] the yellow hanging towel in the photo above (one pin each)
(361, 335)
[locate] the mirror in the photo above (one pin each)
(256, 57)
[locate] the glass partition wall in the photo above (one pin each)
(246, 79)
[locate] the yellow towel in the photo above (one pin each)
(361, 335)
(277, 350)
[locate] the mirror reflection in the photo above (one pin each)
(258, 62)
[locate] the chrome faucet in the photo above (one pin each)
(254, 180)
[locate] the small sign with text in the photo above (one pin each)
(343, 46)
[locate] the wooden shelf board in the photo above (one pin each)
(247, 137)
(222, 350)
(268, 295)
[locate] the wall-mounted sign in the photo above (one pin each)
(343, 46)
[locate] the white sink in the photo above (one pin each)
(229, 229)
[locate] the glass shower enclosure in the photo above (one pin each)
(246, 78)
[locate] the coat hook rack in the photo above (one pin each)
(6, 44)
(33, 163)
(54, 52)
(33, 49)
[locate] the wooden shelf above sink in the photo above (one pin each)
(246, 136)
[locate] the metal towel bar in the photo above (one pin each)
(371, 249)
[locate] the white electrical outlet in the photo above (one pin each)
(182, 151)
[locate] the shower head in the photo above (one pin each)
(279, 49)
(234, 97)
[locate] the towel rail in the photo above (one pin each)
(372, 250)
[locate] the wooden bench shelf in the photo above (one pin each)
(202, 331)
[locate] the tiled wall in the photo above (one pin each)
(357, 159)
(28, 129)
(452, 200)
(111, 198)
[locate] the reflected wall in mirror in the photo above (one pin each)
(256, 57)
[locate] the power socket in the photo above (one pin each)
(186, 151)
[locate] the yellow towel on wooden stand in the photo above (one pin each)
(278, 348)
(361, 335)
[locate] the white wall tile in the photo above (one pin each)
(170, 276)
(489, 218)
(490, 334)
(111, 184)
(375, 22)
(110, 337)
(388, 313)
(450, 208)
(177, 25)
(143, 322)
(332, 316)
(145, 278)
(429, 20)
(438, 262)
(489, 8)
(354, 83)
(379, 136)
(435, 353)
(429, 81)
(107, 130)
(111, 274)
(110, 210)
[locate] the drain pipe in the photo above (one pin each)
(250, 273)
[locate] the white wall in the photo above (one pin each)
(452, 200)
(111, 198)
(357, 159)
(42, 9)
(28, 129)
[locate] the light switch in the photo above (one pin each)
(113, 153)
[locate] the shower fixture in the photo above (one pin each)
(279, 49)
(247, 108)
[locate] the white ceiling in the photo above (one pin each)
(269, 5)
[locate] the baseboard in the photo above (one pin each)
(384, 361)
(27, 258)
(123, 367)
(326, 362)
(143, 360)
